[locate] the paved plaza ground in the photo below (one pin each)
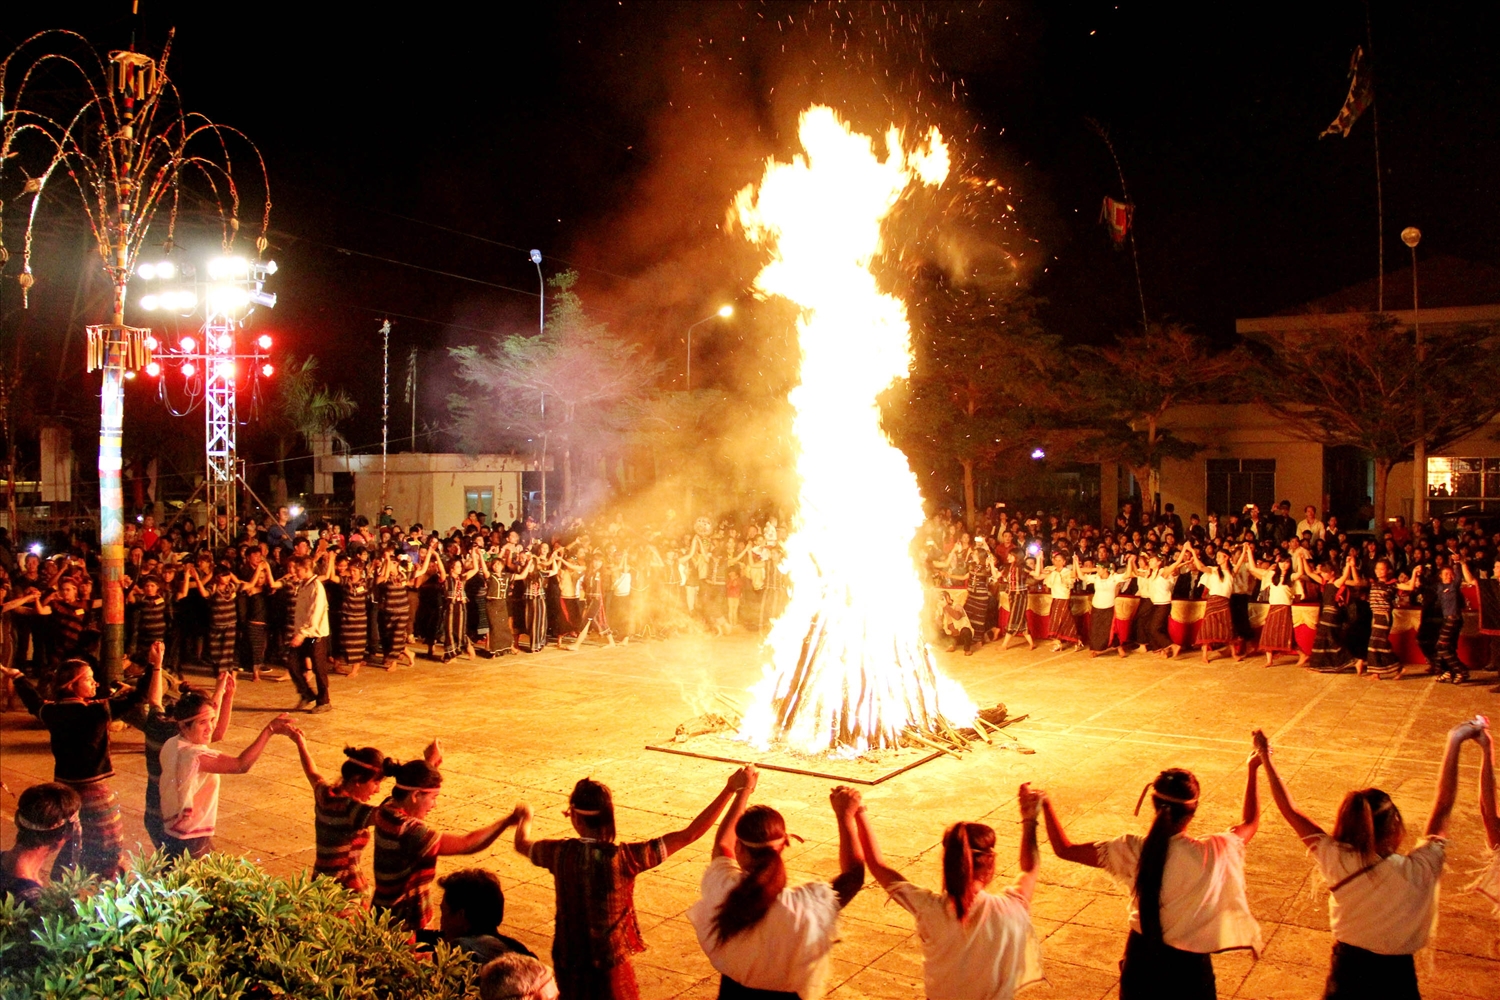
(525, 728)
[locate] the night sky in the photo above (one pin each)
(406, 141)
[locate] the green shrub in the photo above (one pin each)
(216, 928)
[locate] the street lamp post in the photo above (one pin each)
(723, 312)
(541, 326)
(1411, 236)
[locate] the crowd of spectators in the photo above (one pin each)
(1360, 577)
(289, 597)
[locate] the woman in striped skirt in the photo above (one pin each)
(977, 603)
(538, 569)
(1450, 603)
(222, 593)
(457, 569)
(395, 609)
(150, 616)
(1330, 653)
(1277, 634)
(1016, 578)
(1380, 659)
(502, 638)
(1061, 627)
(1217, 628)
(354, 623)
(257, 592)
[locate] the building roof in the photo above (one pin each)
(1451, 293)
(1442, 282)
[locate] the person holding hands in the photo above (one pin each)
(976, 945)
(767, 940)
(1381, 902)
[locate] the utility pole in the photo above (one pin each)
(385, 408)
(1411, 236)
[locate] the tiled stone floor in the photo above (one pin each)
(528, 727)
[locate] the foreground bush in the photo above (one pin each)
(217, 928)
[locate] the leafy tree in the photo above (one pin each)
(1123, 391)
(570, 385)
(1357, 380)
(979, 381)
(303, 408)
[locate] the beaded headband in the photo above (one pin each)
(1191, 803)
(27, 824)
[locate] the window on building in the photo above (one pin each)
(1463, 484)
(1235, 482)
(481, 499)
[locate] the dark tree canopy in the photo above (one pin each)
(1357, 380)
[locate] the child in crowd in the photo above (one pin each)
(78, 724)
(597, 931)
(190, 771)
(407, 849)
(342, 813)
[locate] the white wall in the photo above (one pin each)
(430, 488)
(1238, 431)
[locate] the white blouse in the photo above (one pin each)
(787, 951)
(1218, 584)
(1060, 583)
(1159, 587)
(988, 955)
(1106, 587)
(1280, 593)
(1389, 909)
(1203, 905)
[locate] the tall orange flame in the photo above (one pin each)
(848, 666)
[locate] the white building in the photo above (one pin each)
(435, 490)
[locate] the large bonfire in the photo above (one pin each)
(849, 669)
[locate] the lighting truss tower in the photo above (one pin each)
(219, 371)
(236, 287)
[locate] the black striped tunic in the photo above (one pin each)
(223, 628)
(354, 630)
(395, 615)
(150, 622)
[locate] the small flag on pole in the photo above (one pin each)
(1361, 95)
(1117, 215)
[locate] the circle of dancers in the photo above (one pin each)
(765, 937)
